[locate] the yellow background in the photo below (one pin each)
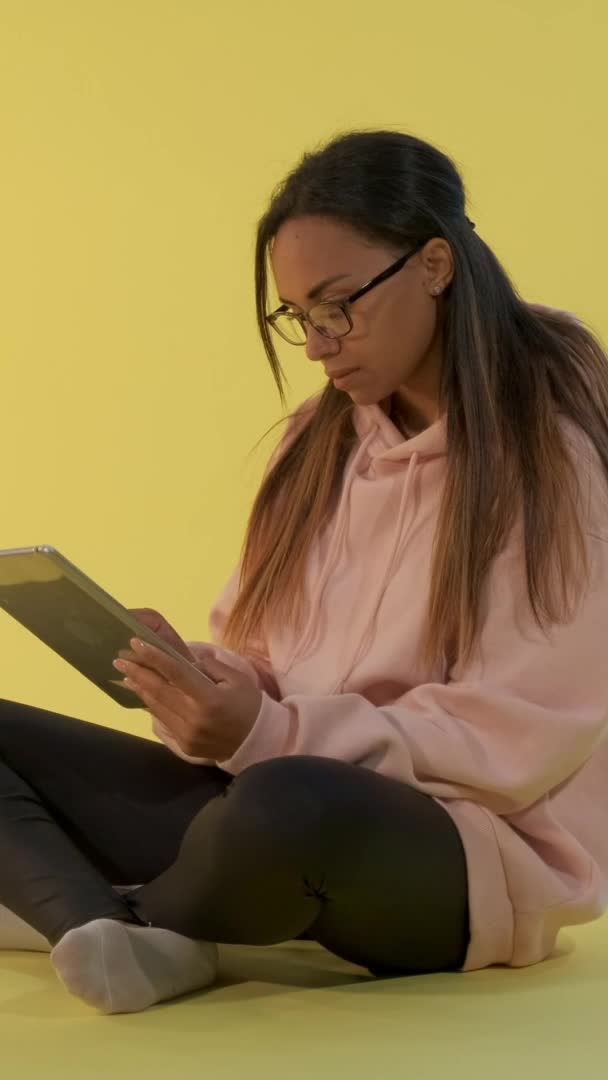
(140, 142)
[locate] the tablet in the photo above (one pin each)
(76, 618)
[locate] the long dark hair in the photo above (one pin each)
(509, 369)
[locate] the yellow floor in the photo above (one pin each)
(296, 1011)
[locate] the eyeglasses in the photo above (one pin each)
(332, 317)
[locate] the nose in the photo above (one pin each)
(318, 346)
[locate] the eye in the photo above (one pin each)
(333, 313)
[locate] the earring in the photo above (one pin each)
(436, 290)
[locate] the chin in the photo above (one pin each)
(367, 396)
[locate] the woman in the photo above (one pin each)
(404, 757)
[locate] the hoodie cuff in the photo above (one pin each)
(268, 738)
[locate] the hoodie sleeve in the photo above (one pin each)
(526, 713)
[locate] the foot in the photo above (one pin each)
(118, 967)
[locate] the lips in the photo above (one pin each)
(340, 374)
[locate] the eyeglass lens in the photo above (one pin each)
(329, 319)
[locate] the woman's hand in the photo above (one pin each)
(157, 622)
(206, 720)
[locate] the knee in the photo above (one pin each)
(287, 790)
(281, 775)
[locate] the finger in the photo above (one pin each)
(174, 708)
(151, 683)
(132, 658)
(149, 617)
(180, 674)
(171, 720)
(143, 678)
(161, 695)
(149, 698)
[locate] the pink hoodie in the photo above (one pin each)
(513, 747)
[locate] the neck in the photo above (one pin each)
(418, 399)
(409, 420)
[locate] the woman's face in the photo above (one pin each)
(395, 342)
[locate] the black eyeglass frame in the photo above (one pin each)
(343, 304)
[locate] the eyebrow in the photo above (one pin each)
(318, 289)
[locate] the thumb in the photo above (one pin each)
(222, 673)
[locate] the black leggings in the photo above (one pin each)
(294, 847)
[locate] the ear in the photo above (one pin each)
(438, 262)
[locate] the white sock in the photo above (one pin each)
(118, 967)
